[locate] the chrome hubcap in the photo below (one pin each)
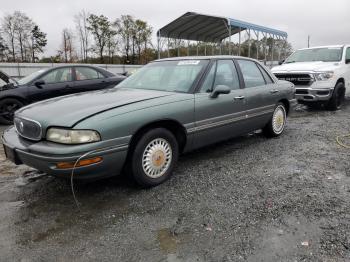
(157, 158)
(279, 119)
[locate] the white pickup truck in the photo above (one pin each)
(320, 74)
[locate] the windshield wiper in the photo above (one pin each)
(289, 62)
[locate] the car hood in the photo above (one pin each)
(306, 66)
(68, 110)
(10, 82)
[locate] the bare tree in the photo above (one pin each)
(83, 32)
(67, 49)
(125, 29)
(23, 27)
(9, 31)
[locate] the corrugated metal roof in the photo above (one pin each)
(207, 28)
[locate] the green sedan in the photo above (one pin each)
(140, 127)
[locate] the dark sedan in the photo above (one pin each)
(49, 83)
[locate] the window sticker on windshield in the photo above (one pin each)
(188, 62)
(334, 48)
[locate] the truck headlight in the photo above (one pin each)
(324, 76)
(71, 136)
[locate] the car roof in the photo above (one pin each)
(203, 58)
(326, 46)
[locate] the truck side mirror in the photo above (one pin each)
(281, 62)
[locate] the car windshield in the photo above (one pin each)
(330, 54)
(30, 78)
(171, 76)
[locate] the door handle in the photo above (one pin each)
(239, 98)
(274, 91)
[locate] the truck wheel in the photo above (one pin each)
(275, 126)
(337, 98)
(8, 107)
(154, 157)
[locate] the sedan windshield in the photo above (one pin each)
(30, 78)
(330, 54)
(171, 76)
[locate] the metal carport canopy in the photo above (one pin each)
(207, 28)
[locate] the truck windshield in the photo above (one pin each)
(171, 76)
(330, 54)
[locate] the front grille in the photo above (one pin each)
(27, 128)
(301, 92)
(297, 79)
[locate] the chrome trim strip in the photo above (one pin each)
(30, 120)
(230, 120)
(101, 151)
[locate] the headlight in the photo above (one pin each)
(70, 136)
(324, 76)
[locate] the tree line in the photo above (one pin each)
(95, 39)
(124, 40)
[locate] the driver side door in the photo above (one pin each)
(57, 82)
(219, 118)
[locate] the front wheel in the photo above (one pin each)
(275, 126)
(8, 107)
(337, 98)
(154, 157)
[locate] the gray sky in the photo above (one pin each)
(328, 22)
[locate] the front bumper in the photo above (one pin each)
(309, 94)
(45, 155)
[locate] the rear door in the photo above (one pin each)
(261, 93)
(219, 118)
(58, 82)
(89, 79)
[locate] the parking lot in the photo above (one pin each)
(247, 199)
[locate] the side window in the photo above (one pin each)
(226, 74)
(86, 73)
(348, 53)
(266, 75)
(251, 73)
(207, 85)
(58, 75)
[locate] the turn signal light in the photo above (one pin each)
(83, 162)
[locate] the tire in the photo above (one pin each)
(8, 106)
(154, 157)
(275, 126)
(337, 98)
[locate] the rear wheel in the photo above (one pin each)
(275, 126)
(154, 157)
(337, 98)
(8, 107)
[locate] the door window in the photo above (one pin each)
(251, 73)
(347, 53)
(58, 75)
(87, 73)
(226, 74)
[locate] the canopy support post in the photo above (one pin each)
(257, 46)
(158, 41)
(205, 49)
(239, 42)
(273, 42)
(248, 42)
(229, 40)
(168, 48)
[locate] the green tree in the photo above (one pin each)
(101, 29)
(39, 41)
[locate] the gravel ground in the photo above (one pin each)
(247, 199)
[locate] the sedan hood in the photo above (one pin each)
(306, 66)
(68, 110)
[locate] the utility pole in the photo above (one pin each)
(308, 41)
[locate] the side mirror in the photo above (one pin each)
(39, 83)
(220, 89)
(281, 62)
(347, 61)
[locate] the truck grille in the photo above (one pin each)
(297, 79)
(28, 128)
